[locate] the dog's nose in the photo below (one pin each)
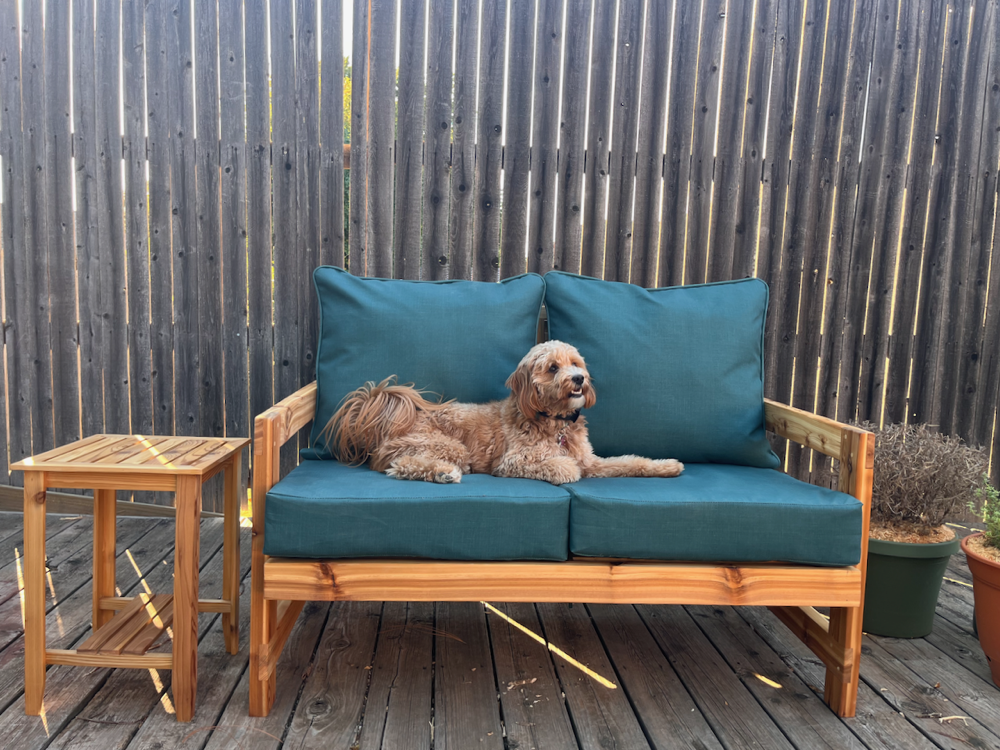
(578, 379)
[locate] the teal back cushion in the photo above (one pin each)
(678, 371)
(459, 339)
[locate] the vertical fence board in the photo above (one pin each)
(572, 128)
(436, 189)
(463, 147)
(357, 234)
(88, 243)
(136, 211)
(331, 135)
(978, 160)
(625, 108)
(307, 193)
(233, 218)
(258, 208)
(407, 258)
(381, 122)
(211, 386)
(489, 139)
(18, 333)
(517, 152)
(595, 178)
(32, 265)
(699, 235)
(542, 195)
(677, 162)
(58, 211)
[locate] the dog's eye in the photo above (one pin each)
(553, 368)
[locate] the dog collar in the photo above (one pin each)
(569, 418)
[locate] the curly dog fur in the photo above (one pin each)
(535, 433)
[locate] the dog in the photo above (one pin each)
(535, 433)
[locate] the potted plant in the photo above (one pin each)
(983, 553)
(921, 477)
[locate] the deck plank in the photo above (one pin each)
(534, 712)
(466, 710)
(235, 727)
(731, 710)
(658, 697)
(58, 540)
(601, 716)
(333, 698)
(789, 701)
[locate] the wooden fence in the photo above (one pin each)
(172, 171)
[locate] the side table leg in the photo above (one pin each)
(34, 591)
(185, 649)
(231, 555)
(104, 554)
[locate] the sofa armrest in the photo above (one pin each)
(271, 430)
(852, 446)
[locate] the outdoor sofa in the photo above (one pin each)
(678, 373)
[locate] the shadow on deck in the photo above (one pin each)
(396, 675)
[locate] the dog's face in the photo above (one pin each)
(552, 378)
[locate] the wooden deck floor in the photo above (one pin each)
(455, 676)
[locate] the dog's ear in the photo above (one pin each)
(523, 390)
(589, 395)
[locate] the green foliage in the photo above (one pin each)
(987, 506)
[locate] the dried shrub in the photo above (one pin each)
(921, 476)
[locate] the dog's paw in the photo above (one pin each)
(668, 467)
(448, 477)
(393, 472)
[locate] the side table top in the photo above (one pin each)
(136, 454)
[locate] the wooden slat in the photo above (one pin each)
(534, 711)
(208, 266)
(157, 154)
(545, 138)
(89, 250)
(58, 228)
(661, 583)
(286, 619)
(595, 179)
(233, 220)
(517, 151)
(407, 262)
(152, 630)
(137, 246)
(652, 132)
(572, 128)
(741, 47)
(436, 186)
(307, 193)
(156, 612)
(489, 138)
(625, 127)
(36, 374)
(357, 250)
(463, 147)
(258, 208)
(331, 135)
(124, 661)
(677, 166)
(17, 303)
(381, 111)
(100, 638)
(466, 713)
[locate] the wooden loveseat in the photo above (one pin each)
(305, 564)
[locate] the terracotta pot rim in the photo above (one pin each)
(979, 558)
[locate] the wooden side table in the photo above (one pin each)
(106, 463)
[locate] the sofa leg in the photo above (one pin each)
(841, 689)
(263, 615)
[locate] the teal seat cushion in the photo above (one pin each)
(459, 339)
(678, 371)
(325, 509)
(713, 512)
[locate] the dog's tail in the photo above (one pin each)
(372, 415)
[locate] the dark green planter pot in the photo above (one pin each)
(902, 586)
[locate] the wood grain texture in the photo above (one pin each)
(104, 553)
(436, 186)
(184, 675)
(380, 124)
(331, 134)
(463, 147)
(662, 583)
(34, 591)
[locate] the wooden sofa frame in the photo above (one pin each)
(280, 587)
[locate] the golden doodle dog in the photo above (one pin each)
(535, 433)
